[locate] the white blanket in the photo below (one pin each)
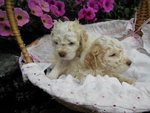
(100, 93)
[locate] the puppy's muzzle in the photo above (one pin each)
(129, 62)
(62, 54)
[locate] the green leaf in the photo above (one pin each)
(126, 12)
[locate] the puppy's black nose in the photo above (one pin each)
(62, 54)
(129, 63)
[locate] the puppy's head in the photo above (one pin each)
(108, 55)
(68, 39)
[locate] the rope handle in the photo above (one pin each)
(143, 13)
(13, 23)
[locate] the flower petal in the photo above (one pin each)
(35, 9)
(93, 4)
(1, 3)
(51, 2)
(22, 16)
(108, 5)
(3, 16)
(47, 21)
(90, 14)
(61, 7)
(100, 3)
(82, 13)
(54, 10)
(65, 18)
(44, 6)
(5, 29)
(78, 1)
(58, 9)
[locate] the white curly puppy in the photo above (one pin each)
(68, 39)
(104, 56)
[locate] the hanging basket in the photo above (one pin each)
(100, 93)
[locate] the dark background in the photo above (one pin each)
(17, 96)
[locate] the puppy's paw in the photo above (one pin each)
(129, 80)
(126, 79)
(122, 78)
(80, 77)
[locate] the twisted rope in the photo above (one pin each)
(13, 23)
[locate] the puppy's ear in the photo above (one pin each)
(75, 26)
(91, 59)
(76, 21)
(59, 21)
(83, 37)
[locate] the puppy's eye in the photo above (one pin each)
(71, 43)
(112, 55)
(55, 42)
(52, 34)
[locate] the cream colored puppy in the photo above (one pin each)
(68, 38)
(105, 56)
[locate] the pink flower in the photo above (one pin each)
(108, 5)
(1, 3)
(90, 13)
(66, 18)
(93, 4)
(47, 21)
(3, 16)
(78, 1)
(58, 9)
(61, 7)
(36, 2)
(100, 3)
(35, 8)
(95, 19)
(22, 16)
(5, 29)
(54, 10)
(82, 13)
(51, 2)
(44, 5)
(87, 13)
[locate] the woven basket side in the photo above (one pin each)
(143, 13)
(149, 8)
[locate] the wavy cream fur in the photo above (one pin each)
(91, 54)
(63, 34)
(96, 59)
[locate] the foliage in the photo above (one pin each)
(35, 20)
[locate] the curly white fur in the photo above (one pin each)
(89, 53)
(69, 39)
